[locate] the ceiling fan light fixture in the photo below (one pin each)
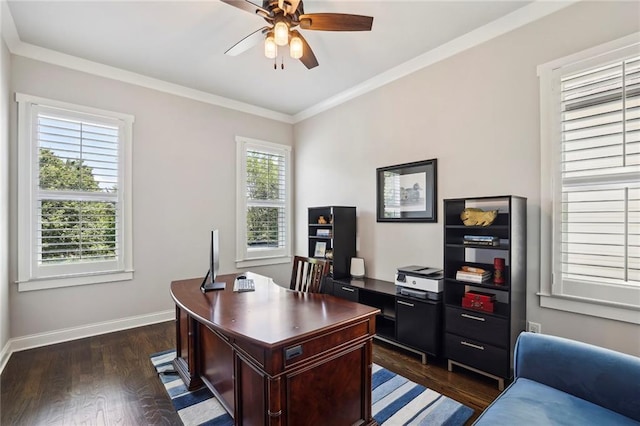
(281, 33)
(296, 48)
(270, 47)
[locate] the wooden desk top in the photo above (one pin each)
(271, 315)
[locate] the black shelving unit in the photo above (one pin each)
(474, 339)
(337, 235)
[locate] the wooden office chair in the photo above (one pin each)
(308, 273)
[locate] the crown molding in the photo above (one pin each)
(19, 48)
(516, 19)
(525, 15)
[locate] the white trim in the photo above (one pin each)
(591, 53)
(623, 303)
(5, 354)
(44, 284)
(31, 275)
(245, 258)
(242, 264)
(95, 68)
(516, 19)
(17, 344)
(589, 307)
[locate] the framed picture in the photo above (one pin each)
(407, 192)
(321, 247)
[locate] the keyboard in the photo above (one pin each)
(244, 284)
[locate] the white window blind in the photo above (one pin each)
(266, 200)
(600, 166)
(263, 200)
(74, 195)
(77, 190)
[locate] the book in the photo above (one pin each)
(493, 243)
(473, 277)
(479, 238)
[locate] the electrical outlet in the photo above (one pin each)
(535, 327)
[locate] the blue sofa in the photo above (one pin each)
(563, 382)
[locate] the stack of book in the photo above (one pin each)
(473, 275)
(481, 240)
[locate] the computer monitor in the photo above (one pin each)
(209, 282)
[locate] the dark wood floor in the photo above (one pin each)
(109, 380)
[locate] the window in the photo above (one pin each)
(74, 194)
(264, 203)
(591, 144)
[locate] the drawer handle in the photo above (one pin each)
(471, 345)
(406, 303)
(348, 289)
(472, 317)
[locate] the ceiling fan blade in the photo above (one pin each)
(247, 6)
(335, 22)
(248, 42)
(308, 58)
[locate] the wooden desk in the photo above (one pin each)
(274, 356)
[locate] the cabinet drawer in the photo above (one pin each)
(345, 291)
(477, 325)
(479, 355)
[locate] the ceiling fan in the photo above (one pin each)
(283, 17)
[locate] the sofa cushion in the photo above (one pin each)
(526, 402)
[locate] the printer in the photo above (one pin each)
(420, 281)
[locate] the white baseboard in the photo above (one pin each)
(67, 334)
(4, 355)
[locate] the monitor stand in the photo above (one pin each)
(209, 286)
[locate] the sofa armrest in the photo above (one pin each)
(604, 377)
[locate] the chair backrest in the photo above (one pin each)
(308, 274)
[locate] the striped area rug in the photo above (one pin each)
(396, 400)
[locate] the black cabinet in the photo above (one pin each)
(411, 323)
(477, 339)
(332, 236)
(418, 324)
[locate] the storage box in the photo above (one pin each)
(479, 300)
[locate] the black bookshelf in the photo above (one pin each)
(338, 236)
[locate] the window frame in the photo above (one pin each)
(603, 300)
(31, 276)
(244, 257)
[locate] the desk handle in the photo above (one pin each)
(348, 289)
(471, 345)
(292, 352)
(472, 317)
(406, 303)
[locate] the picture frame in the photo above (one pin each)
(407, 192)
(320, 249)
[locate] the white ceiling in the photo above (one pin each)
(183, 42)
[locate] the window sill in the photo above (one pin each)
(48, 283)
(590, 307)
(248, 263)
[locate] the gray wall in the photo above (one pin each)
(184, 156)
(478, 114)
(5, 95)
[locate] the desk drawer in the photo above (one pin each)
(345, 291)
(477, 354)
(479, 326)
(327, 342)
